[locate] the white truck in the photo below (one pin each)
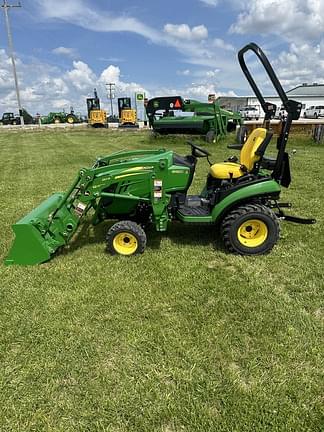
(314, 111)
(250, 112)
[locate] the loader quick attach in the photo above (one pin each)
(140, 188)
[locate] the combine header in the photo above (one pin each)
(173, 114)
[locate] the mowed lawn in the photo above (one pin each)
(185, 337)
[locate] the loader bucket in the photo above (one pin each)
(34, 242)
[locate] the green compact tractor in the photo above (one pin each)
(138, 188)
(173, 114)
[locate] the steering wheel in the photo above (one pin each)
(198, 151)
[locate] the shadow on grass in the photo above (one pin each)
(178, 233)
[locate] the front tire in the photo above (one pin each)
(126, 238)
(251, 229)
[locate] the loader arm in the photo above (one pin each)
(113, 187)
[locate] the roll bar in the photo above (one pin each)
(281, 172)
(292, 107)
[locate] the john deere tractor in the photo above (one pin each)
(150, 187)
(60, 117)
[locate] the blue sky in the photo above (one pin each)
(188, 47)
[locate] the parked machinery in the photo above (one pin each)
(173, 114)
(127, 115)
(96, 117)
(9, 118)
(60, 117)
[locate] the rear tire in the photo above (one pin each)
(251, 229)
(126, 238)
(70, 119)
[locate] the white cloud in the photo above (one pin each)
(192, 91)
(210, 2)
(112, 74)
(60, 104)
(191, 42)
(291, 19)
(220, 43)
(301, 63)
(81, 76)
(77, 12)
(185, 72)
(69, 52)
(44, 88)
(212, 73)
(202, 91)
(6, 78)
(183, 31)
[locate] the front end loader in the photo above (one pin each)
(241, 197)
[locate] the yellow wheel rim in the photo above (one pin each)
(252, 233)
(70, 120)
(125, 243)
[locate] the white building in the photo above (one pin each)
(307, 94)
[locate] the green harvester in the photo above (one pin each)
(141, 188)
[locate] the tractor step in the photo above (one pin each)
(193, 211)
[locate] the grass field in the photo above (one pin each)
(185, 337)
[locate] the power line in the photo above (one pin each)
(111, 95)
(6, 8)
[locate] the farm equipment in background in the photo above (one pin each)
(60, 117)
(127, 115)
(53, 117)
(96, 117)
(72, 117)
(150, 187)
(10, 118)
(173, 114)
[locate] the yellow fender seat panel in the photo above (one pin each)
(248, 155)
(226, 170)
(248, 158)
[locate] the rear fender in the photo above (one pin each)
(246, 193)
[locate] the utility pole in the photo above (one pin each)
(6, 7)
(111, 95)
